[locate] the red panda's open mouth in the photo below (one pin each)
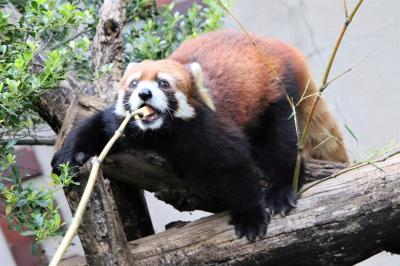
(152, 117)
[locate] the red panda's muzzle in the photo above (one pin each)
(153, 116)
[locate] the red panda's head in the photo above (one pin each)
(167, 86)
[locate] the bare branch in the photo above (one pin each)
(326, 228)
(36, 141)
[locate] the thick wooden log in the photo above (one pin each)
(149, 170)
(340, 221)
(101, 231)
(108, 224)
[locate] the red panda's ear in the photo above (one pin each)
(131, 65)
(123, 79)
(198, 77)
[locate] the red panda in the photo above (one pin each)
(220, 112)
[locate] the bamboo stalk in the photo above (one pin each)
(96, 162)
(322, 87)
(324, 83)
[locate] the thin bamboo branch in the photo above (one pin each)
(253, 43)
(322, 87)
(346, 10)
(348, 169)
(96, 162)
(344, 72)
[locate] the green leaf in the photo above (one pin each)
(15, 171)
(351, 132)
(56, 179)
(3, 49)
(39, 220)
(35, 248)
(27, 233)
(11, 144)
(35, 5)
(57, 219)
(42, 203)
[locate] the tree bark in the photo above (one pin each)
(101, 231)
(107, 48)
(340, 221)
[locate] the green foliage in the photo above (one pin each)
(30, 210)
(23, 77)
(50, 41)
(162, 31)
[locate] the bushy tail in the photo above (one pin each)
(325, 140)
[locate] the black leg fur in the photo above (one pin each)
(274, 147)
(86, 140)
(217, 162)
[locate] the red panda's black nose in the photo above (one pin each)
(145, 94)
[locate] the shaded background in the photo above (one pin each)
(365, 99)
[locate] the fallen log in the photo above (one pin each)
(340, 221)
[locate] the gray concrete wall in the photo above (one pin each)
(367, 98)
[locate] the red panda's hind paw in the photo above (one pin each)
(251, 223)
(280, 200)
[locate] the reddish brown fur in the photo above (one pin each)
(150, 69)
(230, 74)
(243, 83)
(235, 72)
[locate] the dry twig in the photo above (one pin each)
(96, 162)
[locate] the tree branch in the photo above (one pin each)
(341, 221)
(36, 141)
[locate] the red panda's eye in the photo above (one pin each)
(133, 84)
(163, 83)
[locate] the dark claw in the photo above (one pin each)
(238, 232)
(251, 222)
(292, 202)
(65, 155)
(280, 199)
(263, 230)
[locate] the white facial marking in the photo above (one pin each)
(167, 77)
(198, 75)
(185, 110)
(131, 65)
(119, 105)
(133, 76)
(153, 125)
(158, 100)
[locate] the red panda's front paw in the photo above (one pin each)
(251, 222)
(75, 159)
(280, 200)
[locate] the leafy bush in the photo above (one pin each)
(162, 31)
(24, 76)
